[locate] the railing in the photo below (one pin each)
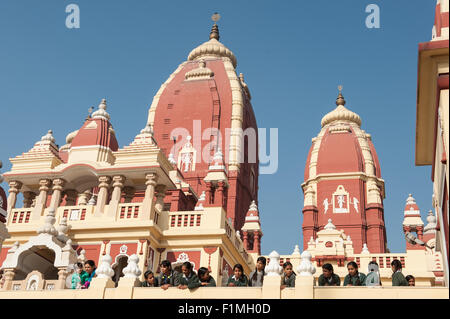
(129, 210)
(185, 219)
(383, 260)
(20, 215)
(74, 213)
(234, 293)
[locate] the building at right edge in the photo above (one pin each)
(432, 120)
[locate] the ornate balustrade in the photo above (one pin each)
(20, 216)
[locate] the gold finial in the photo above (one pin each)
(214, 34)
(340, 99)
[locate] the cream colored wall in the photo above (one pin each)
(235, 293)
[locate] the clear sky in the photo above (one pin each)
(294, 54)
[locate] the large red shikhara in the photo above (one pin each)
(343, 182)
(204, 91)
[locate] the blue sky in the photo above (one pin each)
(293, 55)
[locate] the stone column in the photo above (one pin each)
(256, 243)
(62, 276)
(102, 194)
(271, 287)
(304, 282)
(9, 276)
(71, 197)
(419, 231)
(84, 197)
(28, 199)
(219, 200)
(41, 200)
(116, 195)
(58, 185)
(161, 193)
(245, 239)
(129, 193)
(148, 206)
(14, 189)
(209, 194)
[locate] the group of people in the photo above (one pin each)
(189, 279)
(356, 278)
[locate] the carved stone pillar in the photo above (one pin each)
(84, 197)
(148, 206)
(71, 197)
(102, 194)
(41, 200)
(257, 243)
(245, 239)
(116, 195)
(220, 198)
(161, 193)
(129, 193)
(9, 276)
(28, 198)
(62, 276)
(419, 231)
(57, 188)
(209, 194)
(14, 189)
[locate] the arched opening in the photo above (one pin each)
(119, 265)
(38, 258)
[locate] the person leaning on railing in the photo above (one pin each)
(397, 277)
(328, 277)
(239, 279)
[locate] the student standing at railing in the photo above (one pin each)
(206, 280)
(188, 278)
(288, 278)
(373, 276)
(397, 277)
(354, 278)
(168, 277)
(239, 279)
(257, 275)
(150, 280)
(328, 277)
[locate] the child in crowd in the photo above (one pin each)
(411, 280)
(79, 276)
(89, 267)
(328, 277)
(206, 280)
(239, 279)
(150, 280)
(168, 277)
(354, 278)
(288, 278)
(373, 276)
(257, 275)
(189, 278)
(397, 277)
